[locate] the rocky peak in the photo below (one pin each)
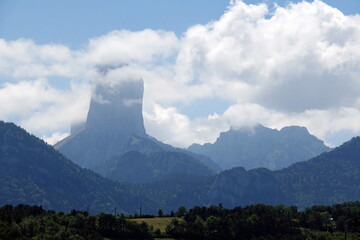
(115, 114)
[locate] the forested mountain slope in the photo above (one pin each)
(32, 172)
(332, 177)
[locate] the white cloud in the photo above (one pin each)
(68, 107)
(42, 108)
(297, 65)
(24, 59)
(319, 122)
(119, 47)
(282, 60)
(177, 129)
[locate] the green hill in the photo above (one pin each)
(32, 172)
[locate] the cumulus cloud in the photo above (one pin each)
(177, 129)
(129, 47)
(297, 65)
(67, 107)
(41, 108)
(23, 58)
(293, 65)
(276, 59)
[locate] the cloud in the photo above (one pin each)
(32, 95)
(128, 47)
(55, 137)
(41, 108)
(320, 122)
(23, 58)
(293, 65)
(177, 129)
(296, 58)
(69, 107)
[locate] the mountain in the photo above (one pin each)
(137, 167)
(240, 187)
(329, 178)
(177, 190)
(115, 114)
(332, 177)
(261, 147)
(114, 126)
(32, 172)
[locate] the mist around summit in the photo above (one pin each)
(114, 143)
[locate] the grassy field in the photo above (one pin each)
(156, 222)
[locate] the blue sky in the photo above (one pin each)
(74, 22)
(199, 80)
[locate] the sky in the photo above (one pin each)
(207, 65)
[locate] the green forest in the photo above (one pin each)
(340, 221)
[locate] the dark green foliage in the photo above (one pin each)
(138, 167)
(160, 213)
(268, 222)
(32, 172)
(329, 178)
(240, 187)
(176, 190)
(181, 211)
(31, 222)
(214, 223)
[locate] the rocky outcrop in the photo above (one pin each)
(117, 111)
(115, 114)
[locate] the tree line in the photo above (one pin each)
(340, 221)
(260, 221)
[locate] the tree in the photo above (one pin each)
(176, 228)
(181, 211)
(160, 213)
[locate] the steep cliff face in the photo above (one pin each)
(114, 126)
(117, 111)
(115, 114)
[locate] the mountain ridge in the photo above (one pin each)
(33, 172)
(261, 147)
(328, 178)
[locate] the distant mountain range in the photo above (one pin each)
(262, 147)
(33, 172)
(139, 171)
